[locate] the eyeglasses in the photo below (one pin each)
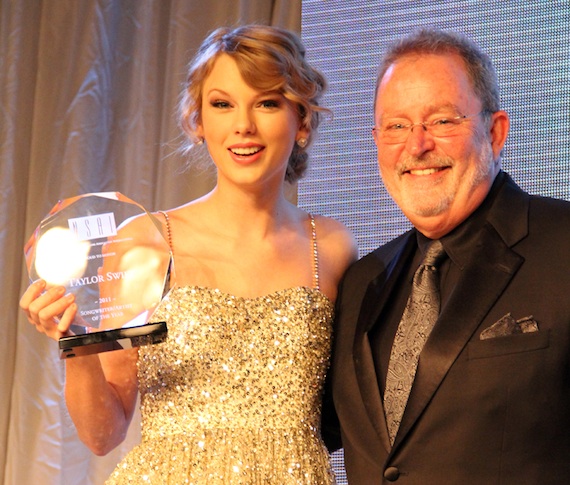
(396, 132)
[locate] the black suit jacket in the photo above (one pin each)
(486, 412)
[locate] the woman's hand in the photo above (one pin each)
(51, 311)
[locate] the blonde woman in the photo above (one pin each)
(234, 394)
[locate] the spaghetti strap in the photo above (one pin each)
(168, 231)
(315, 253)
(169, 237)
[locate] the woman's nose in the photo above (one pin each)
(245, 123)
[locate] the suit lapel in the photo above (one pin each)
(485, 278)
(492, 267)
(374, 301)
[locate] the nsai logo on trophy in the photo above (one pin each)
(111, 254)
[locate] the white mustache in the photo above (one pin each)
(414, 163)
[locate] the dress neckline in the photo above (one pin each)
(271, 294)
(314, 252)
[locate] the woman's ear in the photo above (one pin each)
(198, 134)
(302, 134)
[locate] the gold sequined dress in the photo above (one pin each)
(234, 394)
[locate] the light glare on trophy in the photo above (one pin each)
(111, 254)
(60, 256)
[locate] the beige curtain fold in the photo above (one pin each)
(88, 93)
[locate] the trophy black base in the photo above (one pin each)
(115, 339)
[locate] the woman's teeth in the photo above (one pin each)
(245, 151)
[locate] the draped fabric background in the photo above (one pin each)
(88, 94)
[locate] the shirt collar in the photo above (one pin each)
(461, 241)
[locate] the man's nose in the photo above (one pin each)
(420, 140)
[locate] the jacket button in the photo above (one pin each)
(391, 473)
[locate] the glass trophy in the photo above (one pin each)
(110, 253)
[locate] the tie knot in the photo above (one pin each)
(434, 254)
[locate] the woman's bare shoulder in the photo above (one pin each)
(336, 232)
(336, 241)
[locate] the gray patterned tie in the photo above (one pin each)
(417, 321)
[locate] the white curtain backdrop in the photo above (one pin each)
(88, 93)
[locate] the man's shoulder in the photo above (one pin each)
(517, 214)
(381, 257)
(559, 206)
(549, 218)
(393, 246)
(512, 191)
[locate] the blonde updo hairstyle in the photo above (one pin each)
(269, 59)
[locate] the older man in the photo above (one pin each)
(454, 370)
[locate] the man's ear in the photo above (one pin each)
(500, 124)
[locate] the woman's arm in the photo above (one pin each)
(101, 389)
